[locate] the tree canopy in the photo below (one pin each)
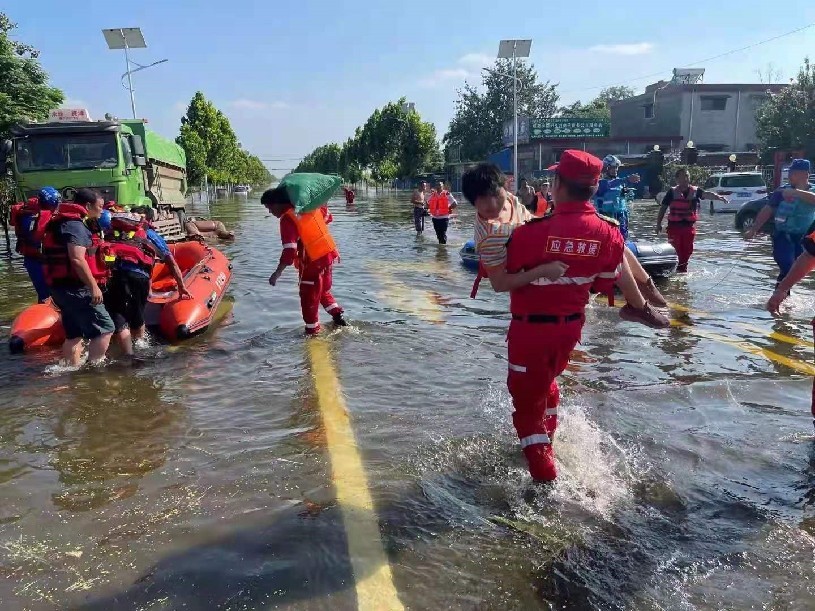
(393, 143)
(599, 107)
(480, 111)
(25, 94)
(213, 149)
(787, 120)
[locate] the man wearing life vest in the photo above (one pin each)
(308, 245)
(440, 205)
(610, 199)
(548, 316)
(793, 206)
(29, 220)
(803, 266)
(75, 266)
(543, 199)
(682, 203)
(136, 247)
(350, 195)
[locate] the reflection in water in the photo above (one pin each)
(111, 432)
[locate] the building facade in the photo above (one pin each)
(713, 117)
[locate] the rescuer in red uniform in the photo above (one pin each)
(548, 315)
(308, 246)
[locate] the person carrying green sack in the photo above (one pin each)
(299, 201)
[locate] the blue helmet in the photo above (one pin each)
(610, 161)
(49, 196)
(104, 220)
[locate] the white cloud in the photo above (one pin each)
(467, 66)
(635, 48)
(180, 107)
(247, 104)
(476, 60)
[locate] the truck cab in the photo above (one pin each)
(123, 160)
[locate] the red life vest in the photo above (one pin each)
(439, 204)
(683, 209)
(29, 220)
(129, 242)
(56, 263)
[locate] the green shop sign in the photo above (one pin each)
(569, 128)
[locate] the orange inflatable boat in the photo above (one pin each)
(207, 274)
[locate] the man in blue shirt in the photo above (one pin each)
(136, 247)
(610, 199)
(793, 206)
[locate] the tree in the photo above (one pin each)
(480, 112)
(787, 120)
(394, 142)
(599, 107)
(24, 91)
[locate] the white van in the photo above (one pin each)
(738, 187)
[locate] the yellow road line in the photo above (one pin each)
(795, 364)
(781, 337)
(745, 346)
(418, 302)
(372, 572)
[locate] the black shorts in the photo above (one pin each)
(126, 299)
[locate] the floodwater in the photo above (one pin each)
(214, 476)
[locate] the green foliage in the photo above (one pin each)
(24, 91)
(599, 107)
(393, 143)
(787, 120)
(213, 149)
(477, 126)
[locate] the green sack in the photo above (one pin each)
(309, 191)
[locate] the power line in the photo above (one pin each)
(701, 61)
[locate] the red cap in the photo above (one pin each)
(579, 167)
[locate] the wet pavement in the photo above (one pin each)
(223, 473)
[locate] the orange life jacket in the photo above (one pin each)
(439, 204)
(56, 263)
(315, 238)
(542, 205)
(683, 209)
(129, 243)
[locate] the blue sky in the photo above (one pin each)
(292, 75)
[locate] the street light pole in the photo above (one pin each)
(514, 49)
(129, 80)
(514, 115)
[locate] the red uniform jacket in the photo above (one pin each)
(293, 248)
(592, 246)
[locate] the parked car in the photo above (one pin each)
(738, 187)
(746, 216)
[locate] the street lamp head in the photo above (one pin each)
(690, 144)
(732, 158)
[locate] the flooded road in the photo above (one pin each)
(223, 474)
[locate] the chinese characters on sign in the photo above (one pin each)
(62, 115)
(573, 246)
(569, 128)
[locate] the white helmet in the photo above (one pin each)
(610, 161)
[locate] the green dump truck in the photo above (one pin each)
(122, 159)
